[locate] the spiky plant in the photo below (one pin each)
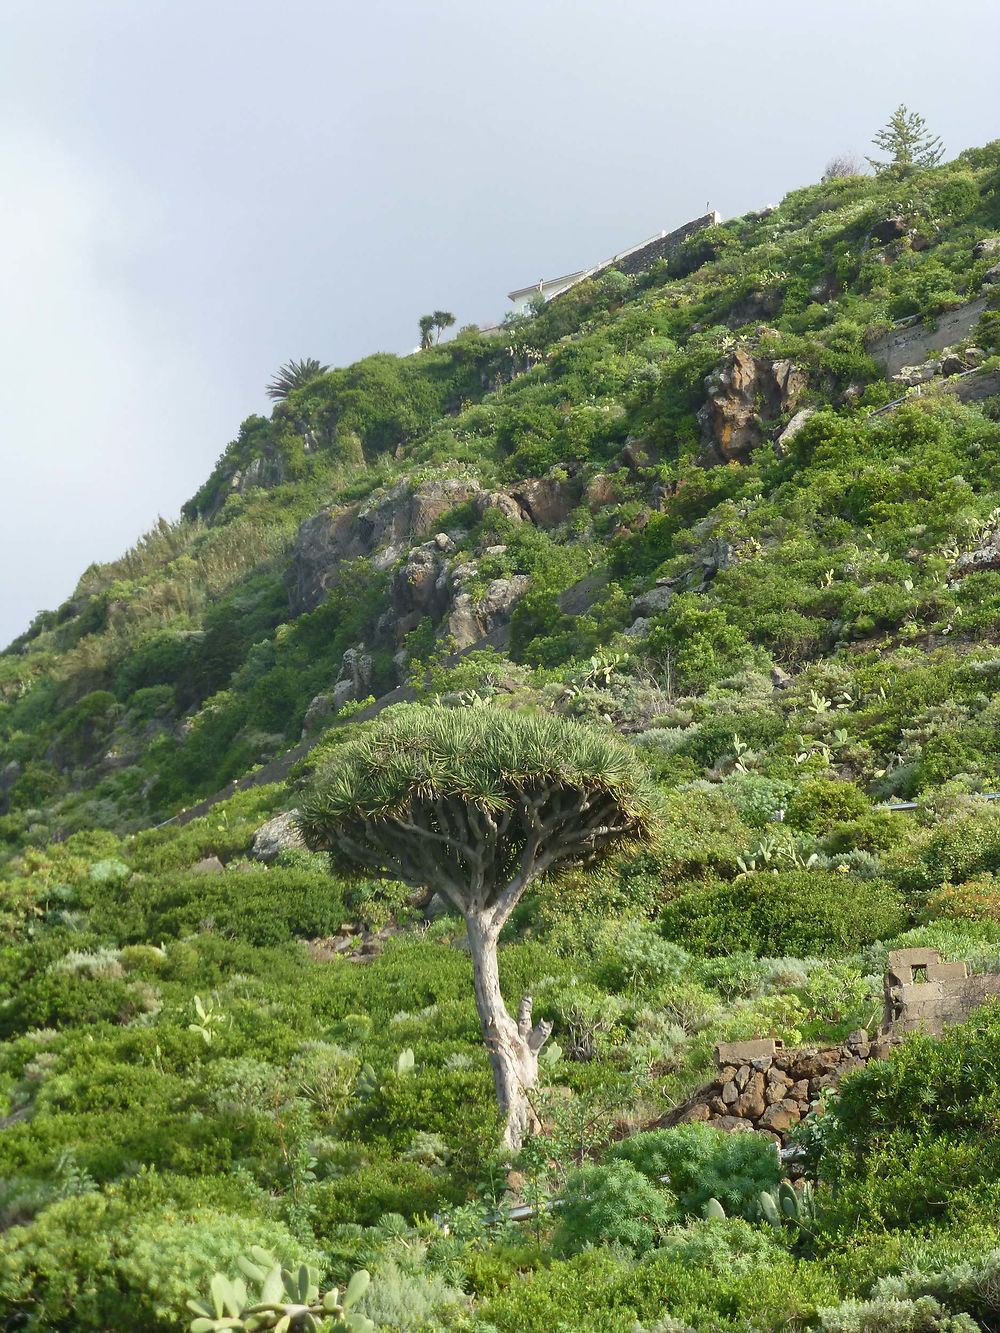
(476, 804)
(295, 375)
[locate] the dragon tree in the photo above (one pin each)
(477, 804)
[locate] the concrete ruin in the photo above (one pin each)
(922, 994)
(765, 1088)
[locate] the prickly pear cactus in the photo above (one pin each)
(286, 1301)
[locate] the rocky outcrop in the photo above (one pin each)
(382, 527)
(280, 834)
(989, 245)
(741, 393)
(389, 527)
(471, 620)
(355, 679)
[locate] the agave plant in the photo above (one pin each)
(295, 375)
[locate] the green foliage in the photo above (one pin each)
(910, 1137)
(790, 911)
(609, 1204)
(704, 1164)
(907, 139)
(284, 1299)
(294, 375)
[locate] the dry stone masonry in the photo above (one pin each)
(761, 1086)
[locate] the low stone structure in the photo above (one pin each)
(910, 344)
(762, 1086)
(922, 994)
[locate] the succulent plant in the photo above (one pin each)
(286, 1301)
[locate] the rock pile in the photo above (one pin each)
(763, 1087)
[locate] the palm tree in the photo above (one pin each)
(443, 319)
(293, 376)
(426, 325)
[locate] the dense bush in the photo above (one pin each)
(703, 1163)
(796, 912)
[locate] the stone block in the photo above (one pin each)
(761, 1063)
(730, 1093)
(742, 1077)
(742, 1052)
(697, 1113)
(780, 1116)
(912, 958)
(947, 971)
(732, 1124)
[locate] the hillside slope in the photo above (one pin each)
(742, 506)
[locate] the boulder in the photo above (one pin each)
(507, 505)
(470, 621)
(991, 276)
(550, 500)
(278, 835)
(741, 392)
(653, 602)
(209, 865)
(600, 491)
(320, 708)
(987, 246)
(792, 429)
(913, 375)
(889, 229)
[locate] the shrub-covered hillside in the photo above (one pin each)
(742, 508)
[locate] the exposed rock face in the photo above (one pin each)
(320, 708)
(550, 500)
(386, 528)
(422, 587)
(991, 276)
(739, 393)
(383, 527)
(278, 835)
(470, 621)
(889, 229)
(989, 245)
(355, 679)
(792, 429)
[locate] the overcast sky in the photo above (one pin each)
(194, 191)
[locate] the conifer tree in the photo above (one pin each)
(908, 142)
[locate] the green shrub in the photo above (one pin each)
(90, 1263)
(798, 912)
(821, 803)
(704, 1163)
(611, 1204)
(911, 1139)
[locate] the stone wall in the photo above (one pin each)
(922, 994)
(912, 344)
(644, 256)
(761, 1086)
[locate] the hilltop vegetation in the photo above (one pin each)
(669, 503)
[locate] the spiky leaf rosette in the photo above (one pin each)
(477, 803)
(295, 375)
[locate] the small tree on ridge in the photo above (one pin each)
(477, 804)
(909, 142)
